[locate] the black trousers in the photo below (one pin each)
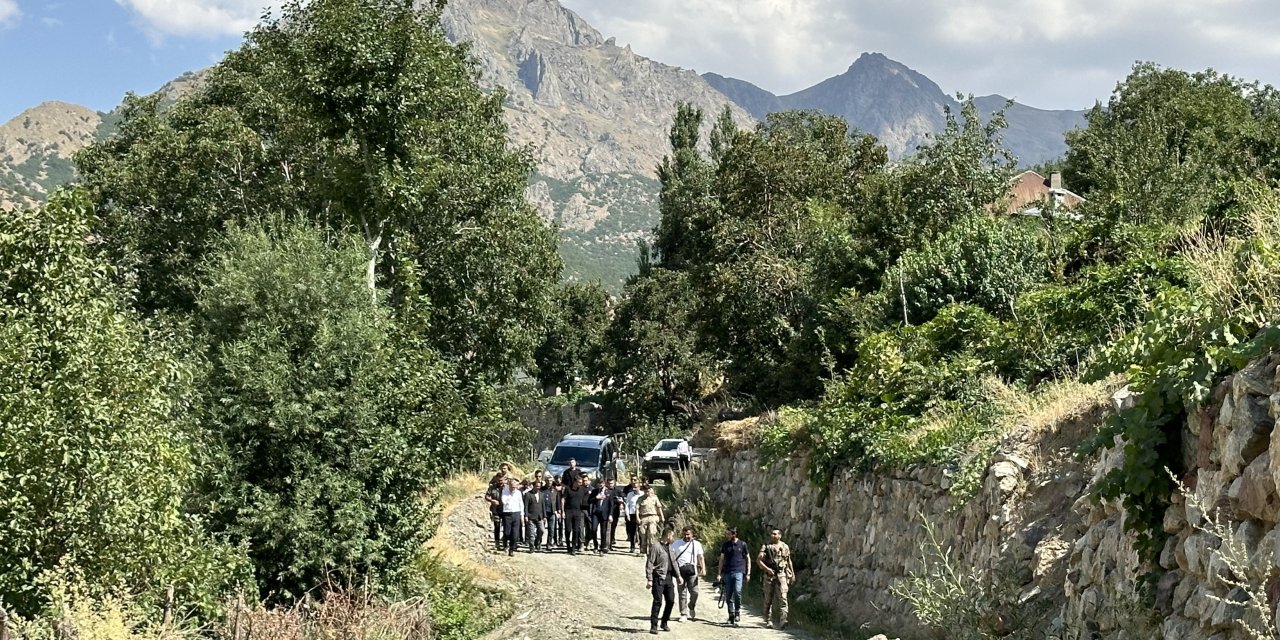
(512, 523)
(633, 526)
(613, 529)
(574, 530)
(664, 598)
(600, 529)
(497, 529)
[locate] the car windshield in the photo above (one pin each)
(586, 456)
(667, 445)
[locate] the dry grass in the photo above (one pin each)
(1239, 275)
(340, 615)
(736, 435)
(453, 493)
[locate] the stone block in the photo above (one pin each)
(1254, 493)
(1246, 433)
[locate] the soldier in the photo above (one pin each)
(650, 516)
(775, 560)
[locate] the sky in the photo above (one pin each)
(1045, 53)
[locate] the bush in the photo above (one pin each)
(914, 395)
(979, 260)
(96, 449)
(331, 425)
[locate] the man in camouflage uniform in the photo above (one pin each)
(774, 560)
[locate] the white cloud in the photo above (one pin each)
(9, 13)
(1046, 53)
(201, 18)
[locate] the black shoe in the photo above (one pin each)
(653, 630)
(510, 552)
(693, 614)
(665, 628)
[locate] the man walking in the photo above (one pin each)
(774, 560)
(570, 474)
(512, 515)
(633, 522)
(615, 514)
(691, 564)
(661, 578)
(576, 501)
(493, 496)
(650, 516)
(551, 505)
(734, 572)
(601, 508)
(684, 454)
(534, 513)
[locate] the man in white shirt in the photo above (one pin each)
(691, 564)
(632, 496)
(684, 453)
(512, 500)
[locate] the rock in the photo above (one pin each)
(1254, 492)
(1242, 434)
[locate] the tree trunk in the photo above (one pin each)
(373, 240)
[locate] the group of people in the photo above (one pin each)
(545, 514)
(673, 568)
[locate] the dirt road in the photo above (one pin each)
(586, 596)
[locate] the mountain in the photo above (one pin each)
(902, 107)
(36, 148)
(595, 115)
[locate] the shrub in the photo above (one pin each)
(96, 449)
(914, 395)
(979, 260)
(330, 423)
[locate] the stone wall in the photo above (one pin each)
(1034, 525)
(550, 423)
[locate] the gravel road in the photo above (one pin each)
(586, 596)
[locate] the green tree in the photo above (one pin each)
(574, 335)
(1168, 154)
(332, 424)
(784, 191)
(651, 363)
(96, 453)
(960, 174)
(984, 261)
(687, 202)
(357, 115)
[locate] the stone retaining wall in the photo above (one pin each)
(1034, 525)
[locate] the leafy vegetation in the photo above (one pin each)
(243, 355)
(890, 305)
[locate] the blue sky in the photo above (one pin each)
(91, 52)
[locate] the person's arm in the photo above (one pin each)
(720, 568)
(702, 562)
(760, 563)
(746, 555)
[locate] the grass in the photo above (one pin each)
(452, 493)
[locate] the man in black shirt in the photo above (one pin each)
(570, 474)
(734, 572)
(576, 501)
(601, 509)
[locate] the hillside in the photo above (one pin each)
(595, 116)
(36, 148)
(902, 107)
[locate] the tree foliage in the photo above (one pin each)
(574, 335)
(358, 116)
(96, 453)
(332, 423)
